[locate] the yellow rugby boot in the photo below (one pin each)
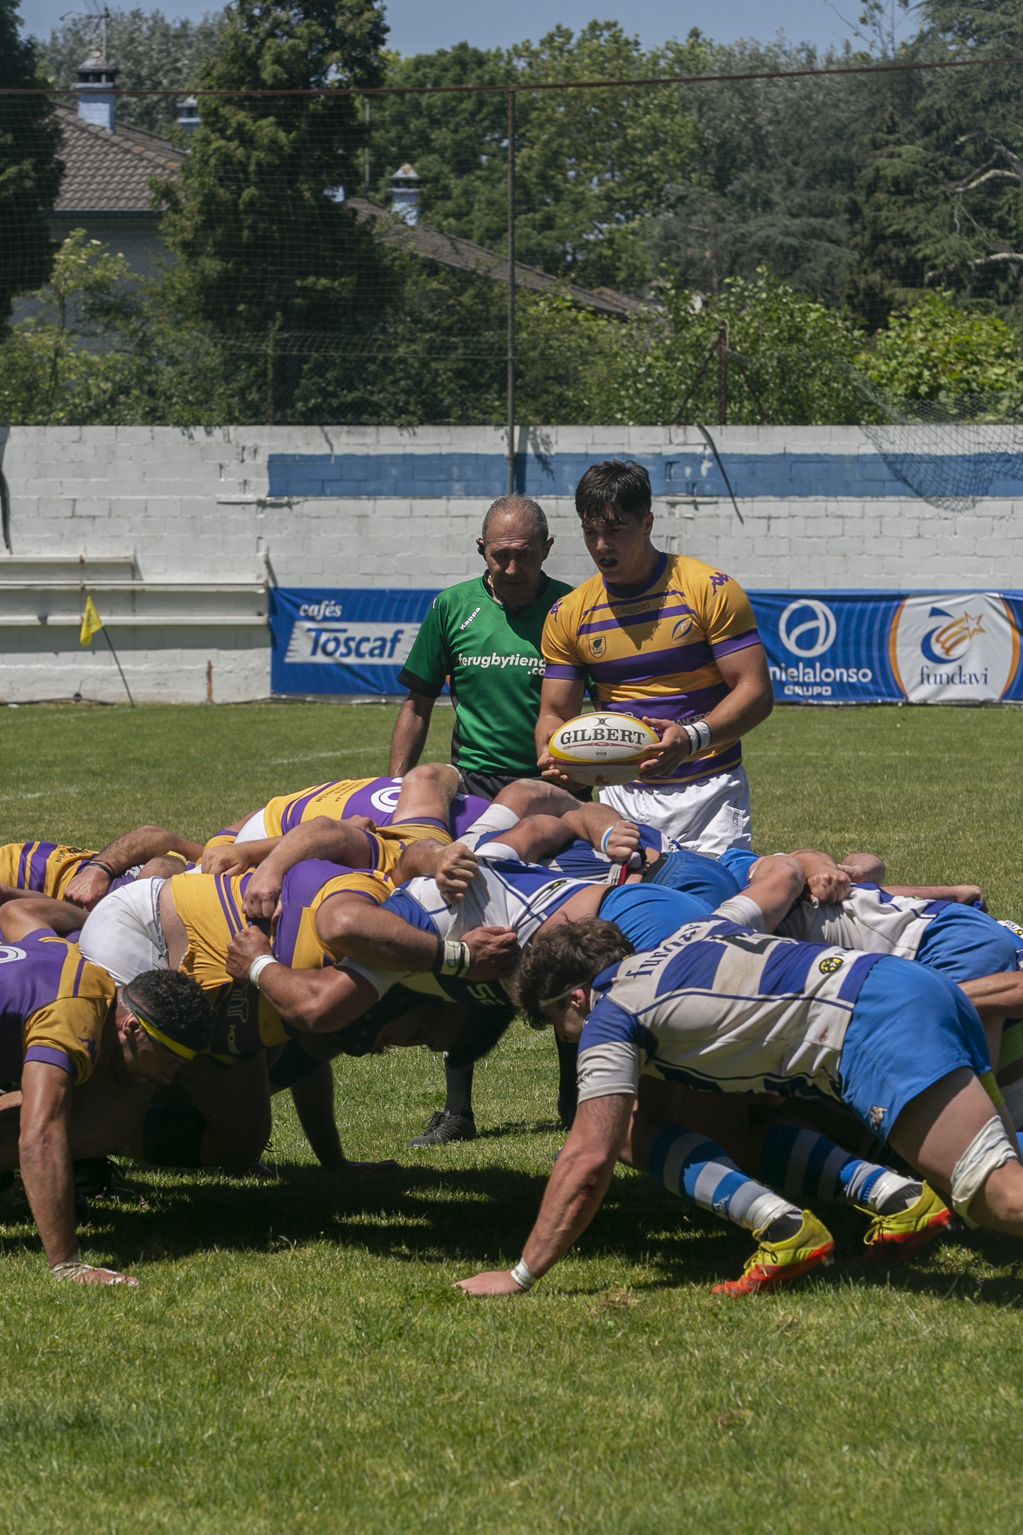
(899, 1235)
(779, 1263)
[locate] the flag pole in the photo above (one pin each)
(113, 652)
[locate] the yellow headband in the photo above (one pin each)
(173, 1045)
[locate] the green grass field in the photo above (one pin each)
(296, 1358)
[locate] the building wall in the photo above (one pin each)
(175, 531)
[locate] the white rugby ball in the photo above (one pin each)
(601, 748)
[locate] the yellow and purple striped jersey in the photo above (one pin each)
(53, 1005)
(371, 797)
(210, 907)
(45, 867)
(655, 651)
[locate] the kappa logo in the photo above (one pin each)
(718, 579)
(830, 965)
(467, 621)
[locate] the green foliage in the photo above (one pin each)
(30, 168)
(151, 52)
(935, 350)
(268, 255)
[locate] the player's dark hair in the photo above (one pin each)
(527, 507)
(567, 955)
(616, 488)
(175, 1004)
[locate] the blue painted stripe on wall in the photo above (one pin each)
(475, 476)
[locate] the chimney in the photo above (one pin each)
(97, 103)
(405, 194)
(188, 114)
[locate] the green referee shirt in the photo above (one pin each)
(491, 655)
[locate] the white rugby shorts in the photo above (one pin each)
(123, 933)
(707, 816)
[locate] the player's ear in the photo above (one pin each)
(479, 546)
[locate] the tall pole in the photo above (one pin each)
(511, 295)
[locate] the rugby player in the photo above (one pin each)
(671, 640)
(73, 874)
(724, 1005)
(61, 1020)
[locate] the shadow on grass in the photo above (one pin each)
(478, 1218)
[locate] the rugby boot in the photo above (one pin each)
(780, 1262)
(902, 1233)
(445, 1127)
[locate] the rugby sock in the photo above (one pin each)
(495, 818)
(809, 1166)
(698, 1169)
(458, 1080)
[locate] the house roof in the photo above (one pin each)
(452, 251)
(109, 172)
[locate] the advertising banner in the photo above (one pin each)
(884, 647)
(347, 642)
(840, 647)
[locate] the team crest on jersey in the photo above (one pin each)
(598, 645)
(683, 629)
(830, 965)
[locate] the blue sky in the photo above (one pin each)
(420, 26)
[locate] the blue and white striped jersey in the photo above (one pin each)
(723, 1006)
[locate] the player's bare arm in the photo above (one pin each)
(237, 857)
(408, 737)
(578, 1184)
(319, 1001)
(44, 1155)
(385, 941)
(321, 837)
(93, 880)
(605, 829)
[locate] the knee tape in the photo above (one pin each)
(989, 1150)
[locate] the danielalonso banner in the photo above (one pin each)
(822, 647)
(883, 647)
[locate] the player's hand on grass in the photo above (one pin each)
(244, 947)
(389, 1165)
(829, 886)
(263, 893)
(88, 886)
(672, 748)
(496, 1282)
(968, 895)
(77, 1272)
(494, 951)
(455, 872)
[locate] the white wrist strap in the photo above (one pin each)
(258, 965)
(523, 1276)
(698, 732)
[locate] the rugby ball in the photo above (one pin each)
(601, 748)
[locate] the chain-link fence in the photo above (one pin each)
(783, 247)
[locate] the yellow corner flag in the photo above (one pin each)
(91, 622)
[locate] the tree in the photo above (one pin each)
(268, 254)
(30, 168)
(935, 350)
(151, 52)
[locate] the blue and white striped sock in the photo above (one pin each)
(699, 1169)
(809, 1166)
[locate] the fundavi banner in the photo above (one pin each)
(822, 647)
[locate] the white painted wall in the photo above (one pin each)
(174, 530)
